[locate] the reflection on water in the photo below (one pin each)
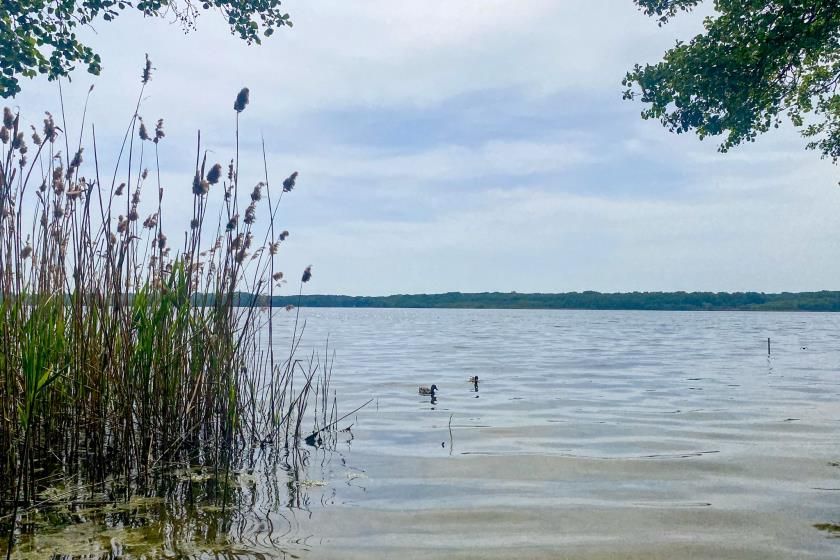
(188, 515)
(596, 435)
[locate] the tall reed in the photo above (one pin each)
(122, 351)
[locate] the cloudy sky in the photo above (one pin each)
(469, 145)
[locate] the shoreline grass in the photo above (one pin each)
(124, 354)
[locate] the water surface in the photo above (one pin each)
(591, 435)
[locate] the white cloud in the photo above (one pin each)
(606, 201)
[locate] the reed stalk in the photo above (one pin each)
(122, 353)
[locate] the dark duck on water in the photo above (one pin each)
(428, 390)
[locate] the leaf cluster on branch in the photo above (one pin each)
(41, 36)
(756, 61)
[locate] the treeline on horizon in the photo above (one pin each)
(661, 301)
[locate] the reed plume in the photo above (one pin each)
(122, 357)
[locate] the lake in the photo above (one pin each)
(591, 435)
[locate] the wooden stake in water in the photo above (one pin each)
(768, 345)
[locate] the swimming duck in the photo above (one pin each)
(428, 390)
(473, 379)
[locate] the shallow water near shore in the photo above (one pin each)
(591, 434)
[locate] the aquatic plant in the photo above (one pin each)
(124, 355)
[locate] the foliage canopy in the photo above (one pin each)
(755, 61)
(39, 36)
(662, 301)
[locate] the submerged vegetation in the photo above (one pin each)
(126, 354)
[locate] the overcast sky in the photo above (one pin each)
(469, 145)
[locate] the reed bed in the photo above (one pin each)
(128, 346)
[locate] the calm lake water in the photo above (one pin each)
(591, 435)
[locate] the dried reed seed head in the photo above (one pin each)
(36, 138)
(147, 70)
(77, 159)
(194, 223)
(132, 214)
(26, 252)
(144, 134)
(4, 135)
(151, 221)
(307, 274)
(231, 225)
(240, 256)
(135, 197)
(256, 194)
(236, 244)
(214, 174)
(22, 161)
(122, 224)
(18, 141)
(289, 183)
(200, 186)
(249, 239)
(161, 240)
(273, 248)
(8, 118)
(79, 190)
(250, 214)
(284, 234)
(290, 307)
(50, 130)
(159, 133)
(58, 180)
(277, 276)
(112, 239)
(120, 189)
(58, 210)
(242, 100)
(230, 171)
(144, 174)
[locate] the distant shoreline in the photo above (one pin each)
(823, 301)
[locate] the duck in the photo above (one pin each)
(473, 379)
(428, 390)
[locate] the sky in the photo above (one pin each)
(469, 145)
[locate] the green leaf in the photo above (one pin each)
(755, 61)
